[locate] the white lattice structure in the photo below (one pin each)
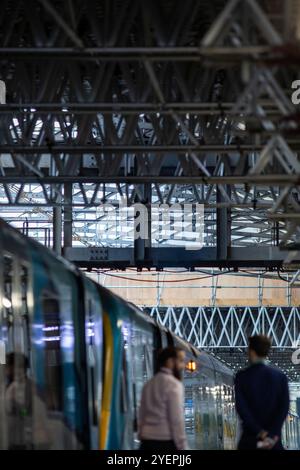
(229, 327)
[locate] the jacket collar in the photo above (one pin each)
(259, 361)
(166, 370)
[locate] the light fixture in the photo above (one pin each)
(6, 302)
(241, 126)
(191, 366)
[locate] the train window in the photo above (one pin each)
(142, 366)
(124, 388)
(18, 406)
(53, 367)
(7, 300)
(24, 290)
(148, 364)
(92, 360)
(9, 314)
(24, 312)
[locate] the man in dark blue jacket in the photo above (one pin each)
(262, 398)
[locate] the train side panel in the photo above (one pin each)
(93, 315)
(39, 325)
(74, 358)
(129, 348)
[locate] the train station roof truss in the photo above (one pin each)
(102, 99)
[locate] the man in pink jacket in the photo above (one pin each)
(161, 415)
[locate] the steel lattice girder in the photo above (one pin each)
(237, 358)
(230, 327)
(162, 257)
(225, 330)
(32, 206)
(98, 94)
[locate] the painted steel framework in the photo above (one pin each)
(186, 101)
(225, 330)
(161, 101)
(229, 327)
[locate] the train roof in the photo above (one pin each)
(46, 251)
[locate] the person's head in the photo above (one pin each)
(173, 358)
(259, 347)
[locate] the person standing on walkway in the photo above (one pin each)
(161, 424)
(262, 399)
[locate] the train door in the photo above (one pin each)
(127, 404)
(94, 348)
(210, 415)
(142, 362)
(160, 342)
(16, 381)
(57, 357)
(219, 400)
(3, 436)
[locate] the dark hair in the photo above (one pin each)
(165, 354)
(261, 344)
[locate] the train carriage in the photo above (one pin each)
(74, 358)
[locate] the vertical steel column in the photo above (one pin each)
(68, 215)
(57, 230)
(142, 247)
(223, 226)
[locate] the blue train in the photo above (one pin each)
(74, 358)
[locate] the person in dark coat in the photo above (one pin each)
(261, 398)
